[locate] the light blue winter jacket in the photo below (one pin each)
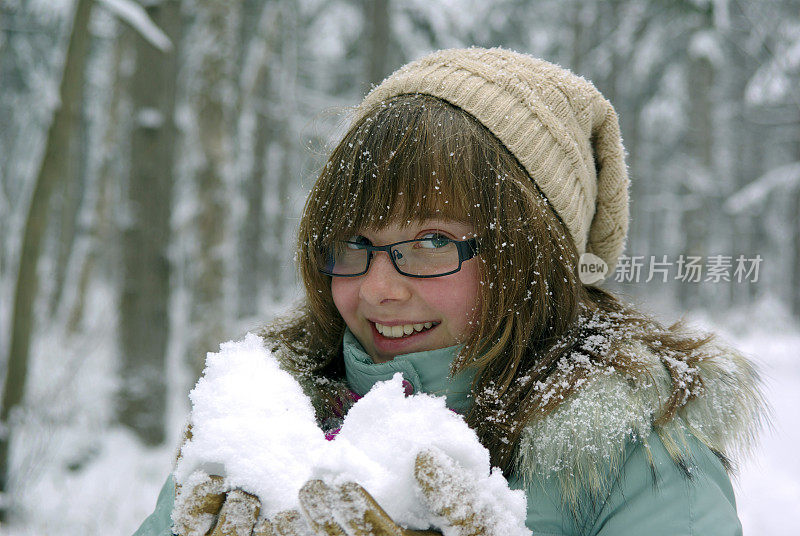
(596, 465)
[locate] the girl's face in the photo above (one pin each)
(385, 297)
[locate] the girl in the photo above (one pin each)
(443, 240)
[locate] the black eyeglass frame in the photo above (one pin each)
(467, 249)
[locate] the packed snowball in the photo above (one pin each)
(253, 424)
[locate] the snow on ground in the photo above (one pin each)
(115, 487)
(112, 494)
(768, 482)
(768, 487)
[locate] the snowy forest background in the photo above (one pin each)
(154, 157)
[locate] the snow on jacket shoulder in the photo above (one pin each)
(597, 465)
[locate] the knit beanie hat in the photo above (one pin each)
(559, 127)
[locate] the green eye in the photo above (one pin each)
(435, 241)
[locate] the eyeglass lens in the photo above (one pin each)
(422, 257)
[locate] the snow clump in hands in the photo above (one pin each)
(253, 424)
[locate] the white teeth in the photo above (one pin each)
(402, 330)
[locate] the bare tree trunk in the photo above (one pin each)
(57, 157)
(144, 317)
(699, 145)
(379, 32)
(13, 81)
(217, 23)
(251, 240)
(743, 139)
(66, 207)
(259, 43)
(795, 286)
(284, 181)
(102, 229)
(576, 51)
(283, 139)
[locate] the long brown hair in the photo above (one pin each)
(539, 332)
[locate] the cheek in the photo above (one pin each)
(460, 301)
(345, 296)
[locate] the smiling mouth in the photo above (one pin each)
(404, 330)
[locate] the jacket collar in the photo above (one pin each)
(428, 372)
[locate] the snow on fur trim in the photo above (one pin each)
(583, 442)
(732, 409)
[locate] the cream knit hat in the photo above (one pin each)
(562, 130)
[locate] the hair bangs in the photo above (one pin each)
(406, 161)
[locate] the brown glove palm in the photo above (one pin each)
(207, 509)
(346, 510)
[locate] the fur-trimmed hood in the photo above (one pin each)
(583, 442)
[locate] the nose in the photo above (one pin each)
(382, 282)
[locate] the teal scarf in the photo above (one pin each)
(427, 372)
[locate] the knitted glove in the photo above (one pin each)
(206, 509)
(348, 510)
(450, 493)
(345, 510)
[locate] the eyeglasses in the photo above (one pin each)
(423, 257)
